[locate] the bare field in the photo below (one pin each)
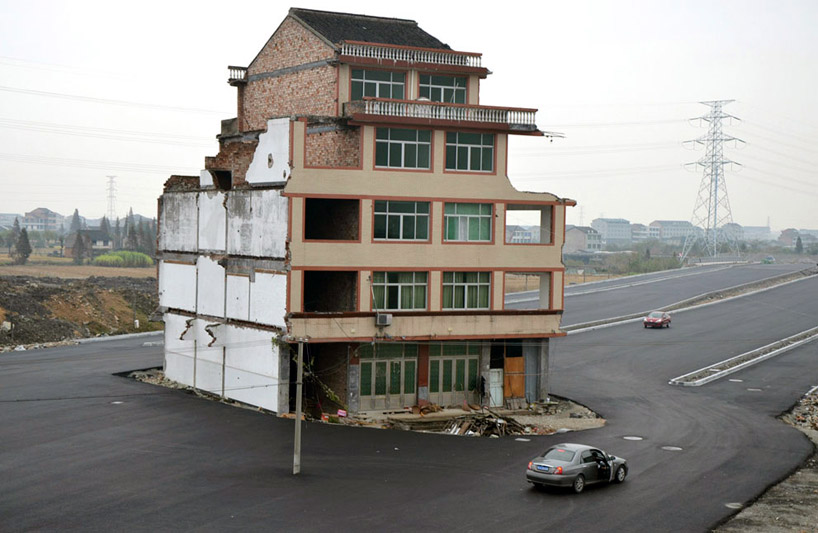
(521, 282)
(72, 271)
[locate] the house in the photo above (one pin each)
(358, 206)
(42, 219)
(616, 231)
(582, 239)
(95, 242)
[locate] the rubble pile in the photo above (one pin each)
(38, 310)
(805, 414)
(488, 424)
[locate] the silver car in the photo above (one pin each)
(575, 465)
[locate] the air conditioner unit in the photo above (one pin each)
(383, 319)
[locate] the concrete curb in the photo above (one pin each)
(753, 356)
(120, 337)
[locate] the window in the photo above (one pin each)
(527, 290)
(407, 221)
(402, 148)
(470, 151)
(467, 222)
(466, 290)
(396, 291)
(378, 83)
(449, 89)
(331, 219)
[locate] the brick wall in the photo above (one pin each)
(340, 148)
(235, 157)
(303, 92)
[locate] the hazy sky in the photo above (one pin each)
(91, 89)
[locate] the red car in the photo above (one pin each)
(656, 319)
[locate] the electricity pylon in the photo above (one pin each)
(712, 210)
(111, 199)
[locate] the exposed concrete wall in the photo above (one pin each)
(178, 222)
(177, 285)
(271, 159)
(231, 361)
(257, 221)
(212, 221)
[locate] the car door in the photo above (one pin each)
(589, 467)
(603, 465)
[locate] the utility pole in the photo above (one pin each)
(299, 377)
(712, 210)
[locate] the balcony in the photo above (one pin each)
(437, 59)
(422, 112)
(237, 75)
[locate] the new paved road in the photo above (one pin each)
(82, 448)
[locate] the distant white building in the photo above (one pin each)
(758, 233)
(641, 233)
(673, 230)
(582, 239)
(613, 230)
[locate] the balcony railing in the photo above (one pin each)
(237, 74)
(418, 109)
(411, 55)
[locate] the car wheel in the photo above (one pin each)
(579, 484)
(621, 473)
(646, 326)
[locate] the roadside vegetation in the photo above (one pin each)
(123, 259)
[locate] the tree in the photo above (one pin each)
(76, 223)
(22, 250)
(117, 235)
(799, 246)
(132, 240)
(104, 226)
(79, 248)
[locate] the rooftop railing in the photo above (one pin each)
(420, 109)
(411, 55)
(237, 74)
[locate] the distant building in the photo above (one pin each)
(758, 233)
(734, 231)
(582, 239)
(613, 230)
(641, 233)
(789, 237)
(42, 219)
(522, 234)
(94, 240)
(673, 230)
(7, 220)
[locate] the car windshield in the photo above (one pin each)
(655, 314)
(559, 454)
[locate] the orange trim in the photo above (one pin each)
(438, 338)
(416, 198)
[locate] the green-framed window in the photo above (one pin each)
(403, 148)
(466, 290)
(449, 89)
(378, 84)
(467, 222)
(470, 151)
(405, 221)
(385, 367)
(397, 291)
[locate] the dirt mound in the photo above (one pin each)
(37, 310)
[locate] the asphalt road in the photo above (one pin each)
(81, 448)
(624, 296)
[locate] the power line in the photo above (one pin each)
(108, 101)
